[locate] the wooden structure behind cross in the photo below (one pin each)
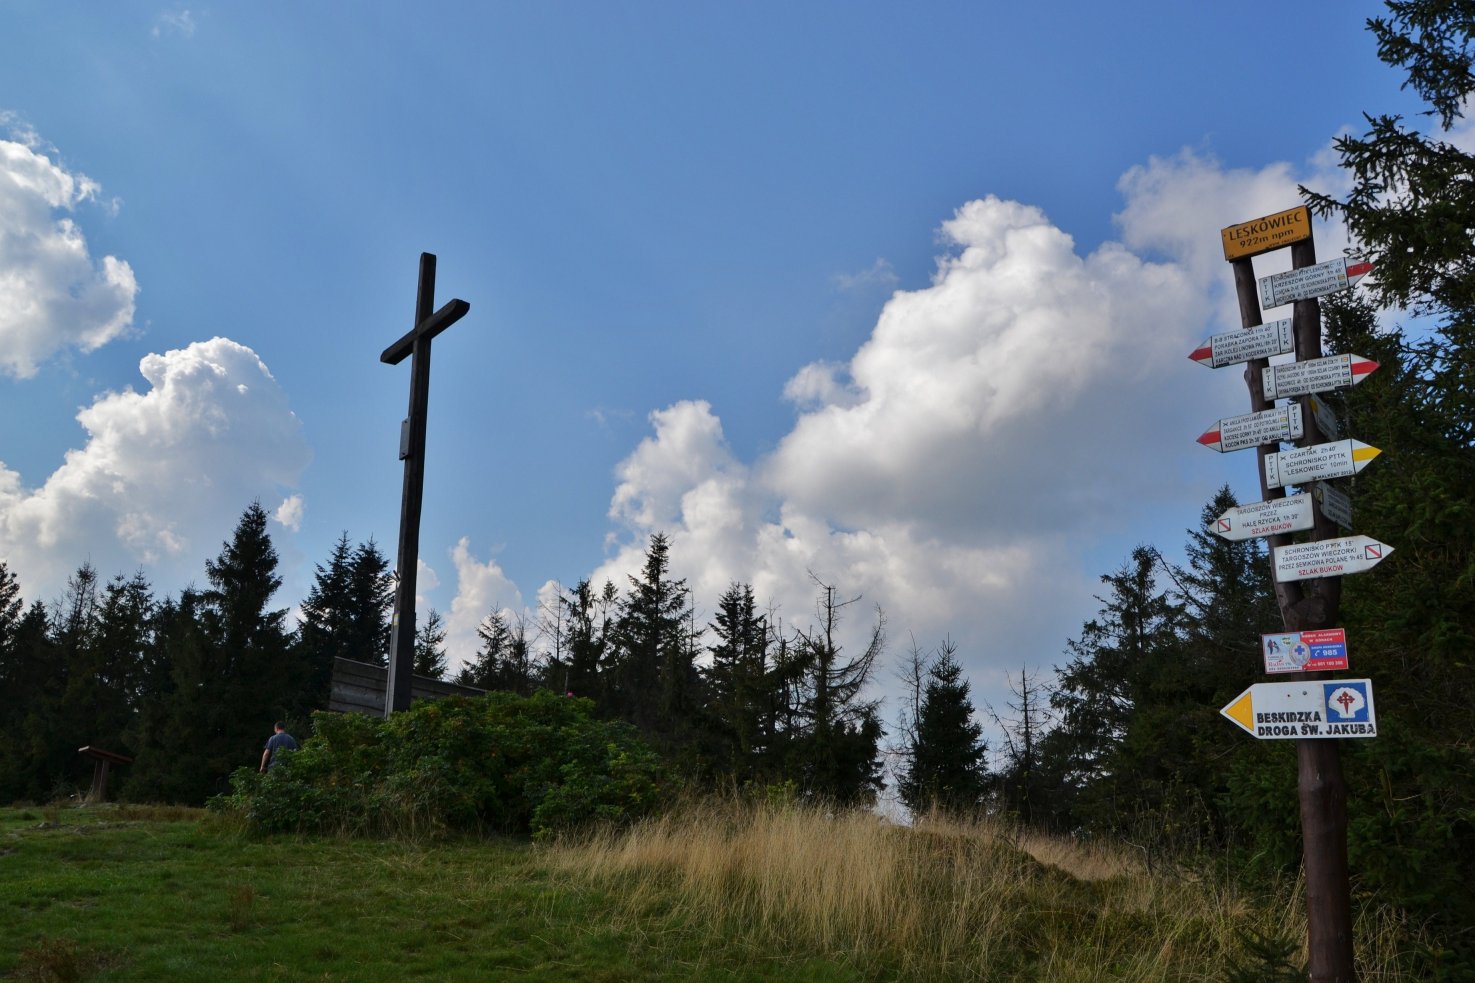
(415, 346)
(101, 764)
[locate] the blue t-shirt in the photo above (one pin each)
(277, 743)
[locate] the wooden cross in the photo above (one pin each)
(416, 346)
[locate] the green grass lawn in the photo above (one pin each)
(725, 893)
(133, 894)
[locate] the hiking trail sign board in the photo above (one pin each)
(1261, 341)
(1323, 708)
(1336, 459)
(1315, 375)
(1312, 281)
(1326, 417)
(1327, 558)
(1253, 429)
(1289, 514)
(1260, 235)
(1335, 504)
(1305, 651)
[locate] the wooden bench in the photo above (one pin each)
(359, 687)
(102, 761)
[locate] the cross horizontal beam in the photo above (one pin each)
(433, 325)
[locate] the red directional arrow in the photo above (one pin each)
(1317, 375)
(1261, 341)
(1252, 429)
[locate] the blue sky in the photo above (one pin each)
(899, 297)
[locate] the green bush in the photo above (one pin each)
(528, 766)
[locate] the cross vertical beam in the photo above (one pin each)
(416, 346)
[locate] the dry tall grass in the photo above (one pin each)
(939, 900)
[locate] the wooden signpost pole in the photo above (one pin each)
(1322, 787)
(1309, 605)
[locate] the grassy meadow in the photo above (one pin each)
(710, 892)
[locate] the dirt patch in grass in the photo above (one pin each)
(62, 960)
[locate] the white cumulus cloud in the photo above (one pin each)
(290, 512)
(979, 390)
(53, 296)
(163, 475)
(1177, 205)
(1026, 411)
(481, 588)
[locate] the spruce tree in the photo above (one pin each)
(945, 766)
(11, 605)
(430, 651)
(177, 733)
(13, 681)
(739, 693)
(1112, 694)
(833, 748)
(1019, 786)
(28, 759)
(1227, 601)
(489, 670)
(243, 580)
(523, 665)
(233, 668)
(323, 630)
(105, 664)
(345, 615)
(370, 601)
(74, 626)
(74, 616)
(148, 734)
(587, 640)
(505, 659)
(1412, 204)
(125, 635)
(29, 682)
(654, 682)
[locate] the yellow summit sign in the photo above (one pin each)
(1264, 234)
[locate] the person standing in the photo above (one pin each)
(275, 744)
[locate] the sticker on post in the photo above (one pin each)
(1305, 651)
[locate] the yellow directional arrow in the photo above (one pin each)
(1242, 711)
(1363, 454)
